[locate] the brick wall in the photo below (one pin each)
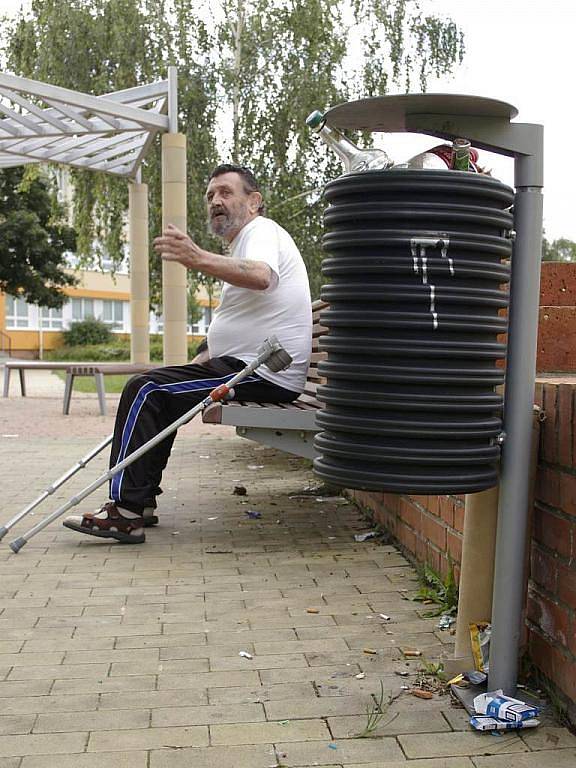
(557, 326)
(430, 528)
(551, 609)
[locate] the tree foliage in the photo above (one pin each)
(561, 249)
(249, 73)
(34, 238)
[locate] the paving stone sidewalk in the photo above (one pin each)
(129, 656)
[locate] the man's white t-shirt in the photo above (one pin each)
(246, 317)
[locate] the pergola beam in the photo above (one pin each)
(98, 105)
(109, 133)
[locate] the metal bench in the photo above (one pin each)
(97, 370)
(290, 426)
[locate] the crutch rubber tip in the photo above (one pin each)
(17, 544)
(3, 531)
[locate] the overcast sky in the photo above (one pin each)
(522, 52)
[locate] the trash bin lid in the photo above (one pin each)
(388, 113)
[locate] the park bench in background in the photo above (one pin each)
(97, 370)
(288, 426)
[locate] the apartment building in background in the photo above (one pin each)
(27, 330)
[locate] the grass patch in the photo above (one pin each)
(434, 589)
(112, 384)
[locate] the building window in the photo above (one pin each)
(52, 318)
(113, 314)
(82, 309)
(16, 312)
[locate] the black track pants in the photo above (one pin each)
(152, 401)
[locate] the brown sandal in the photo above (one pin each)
(113, 526)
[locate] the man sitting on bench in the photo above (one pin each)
(265, 291)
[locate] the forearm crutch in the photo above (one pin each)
(55, 485)
(271, 353)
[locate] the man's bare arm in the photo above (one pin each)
(174, 245)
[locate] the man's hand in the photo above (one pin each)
(174, 245)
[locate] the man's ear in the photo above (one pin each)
(255, 202)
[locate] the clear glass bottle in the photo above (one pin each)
(355, 159)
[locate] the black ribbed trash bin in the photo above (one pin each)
(418, 263)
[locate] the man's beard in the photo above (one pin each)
(221, 225)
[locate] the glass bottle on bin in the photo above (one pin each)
(355, 159)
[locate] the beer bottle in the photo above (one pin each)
(461, 155)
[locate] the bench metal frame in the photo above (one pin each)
(289, 428)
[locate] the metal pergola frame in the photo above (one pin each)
(112, 133)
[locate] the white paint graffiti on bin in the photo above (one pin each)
(418, 246)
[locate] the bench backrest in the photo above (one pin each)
(313, 379)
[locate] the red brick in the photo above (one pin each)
(391, 501)
(420, 549)
(454, 546)
(459, 518)
(552, 618)
(406, 537)
(433, 558)
(568, 493)
(543, 569)
(567, 585)
(385, 518)
(558, 666)
(434, 531)
(549, 430)
(556, 340)
(552, 531)
(565, 424)
(548, 486)
(411, 515)
(434, 505)
(558, 284)
(373, 500)
(447, 510)
(421, 501)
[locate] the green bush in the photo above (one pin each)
(85, 332)
(118, 350)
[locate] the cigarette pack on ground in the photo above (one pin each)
(495, 704)
(486, 723)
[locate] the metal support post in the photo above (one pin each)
(139, 276)
(513, 515)
(174, 280)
